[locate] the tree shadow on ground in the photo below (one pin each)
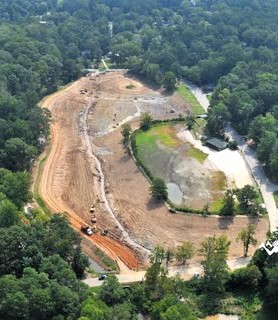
(154, 204)
(225, 222)
(125, 158)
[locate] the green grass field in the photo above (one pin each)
(186, 94)
(162, 133)
(196, 154)
(37, 196)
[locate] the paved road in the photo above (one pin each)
(267, 188)
(185, 272)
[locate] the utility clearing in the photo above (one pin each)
(86, 167)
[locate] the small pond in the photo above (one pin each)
(174, 193)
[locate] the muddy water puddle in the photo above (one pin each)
(174, 193)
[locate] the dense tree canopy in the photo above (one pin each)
(46, 43)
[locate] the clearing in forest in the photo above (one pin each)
(191, 178)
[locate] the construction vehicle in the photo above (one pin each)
(94, 229)
(93, 207)
(93, 218)
(104, 232)
(87, 230)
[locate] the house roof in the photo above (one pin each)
(217, 143)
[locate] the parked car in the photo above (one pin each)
(102, 277)
(87, 230)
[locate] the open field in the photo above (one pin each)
(191, 179)
(71, 179)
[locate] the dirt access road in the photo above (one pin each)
(67, 182)
(184, 272)
(71, 178)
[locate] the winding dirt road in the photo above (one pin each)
(62, 182)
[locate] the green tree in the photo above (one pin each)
(247, 237)
(126, 131)
(190, 122)
(228, 204)
(260, 124)
(8, 214)
(17, 155)
(218, 117)
(15, 306)
(169, 81)
(184, 252)
(272, 285)
(246, 196)
(15, 186)
(111, 291)
(248, 277)
(94, 309)
(215, 252)
(158, 189)
(179, 311)
(146, 121)
(266, 144)
(169, 255)
(157, 255)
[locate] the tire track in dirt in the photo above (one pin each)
(91, 153)
(114, 249)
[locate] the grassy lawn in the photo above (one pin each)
(186, 94)
(109, 263)
(162, 133)
(275, 195)
(215, 206)
(37, 196)
(198, 128)
(196, 154)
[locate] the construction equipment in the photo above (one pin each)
(87, 230)
(104, 232)
(93, 219)
(94, 229)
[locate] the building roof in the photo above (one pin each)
(217, 143)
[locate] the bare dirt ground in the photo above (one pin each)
(148, 222)
(70, 181)
(67, 183)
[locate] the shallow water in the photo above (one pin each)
(174, 193)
